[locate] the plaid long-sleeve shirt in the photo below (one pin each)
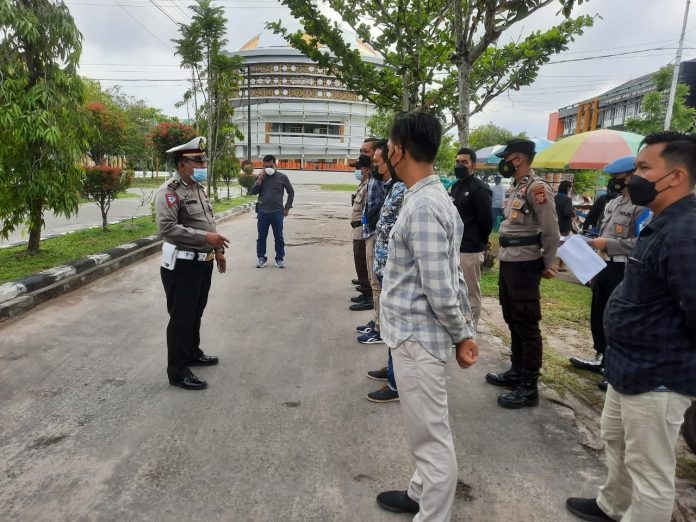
(373, 204)
(650, 319)
(424, 296)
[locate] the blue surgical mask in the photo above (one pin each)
(200, 175)
(358, 175)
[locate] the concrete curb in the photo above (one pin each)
(19, 296)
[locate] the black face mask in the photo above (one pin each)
(392, 171)
(642, 191)
(461, 171)
(616, 186)
(506, 168)
(375, 173)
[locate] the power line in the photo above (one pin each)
(148, 30)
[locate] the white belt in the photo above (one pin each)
(195, 256)
(618, 259)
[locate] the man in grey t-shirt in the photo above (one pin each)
(270, 185)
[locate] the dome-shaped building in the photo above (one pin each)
(300, 113)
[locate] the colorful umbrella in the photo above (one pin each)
(588, 150)
(486, 153)
(492, 159)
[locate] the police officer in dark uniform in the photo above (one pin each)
(186, 224)
(528, 239)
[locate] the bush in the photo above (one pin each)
(247, 180)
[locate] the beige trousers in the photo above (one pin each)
(374, 282)
(471, 267)
(423, 397)
(639, 434)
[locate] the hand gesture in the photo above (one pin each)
(217, 240)
(220, 261)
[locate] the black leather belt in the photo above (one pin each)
(508, 241)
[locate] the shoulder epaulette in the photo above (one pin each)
(174, 184)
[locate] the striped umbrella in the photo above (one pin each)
(588, 150)
(487, 153)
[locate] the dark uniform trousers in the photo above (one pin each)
(602, 287)
(186, 288)
(361, 263)
(519, 294)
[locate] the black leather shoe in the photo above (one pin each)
(397, 502)
(365, 305)
(364, 290)
(508, 379)
(189, 382)
(360, 298)
(525, 394)
(205, 360)
(603, 385)
(355, 281)
(587, 509)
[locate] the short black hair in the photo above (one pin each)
(470, 152)
(565, 186)
(381, 145)
(418, 133)
(269, 157)
(680, 149)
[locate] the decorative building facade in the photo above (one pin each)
(299, 112)
(611, 109)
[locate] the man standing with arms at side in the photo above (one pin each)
(362, 174)
(528, 243)
(472, 197)
(270, 185)
(424, 312)
(650, 324)
(186, 224)
(498, 198)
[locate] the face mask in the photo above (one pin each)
(358, 175)
(642, 191)
(461, 171)
(616, 185)
(375, 173)
(200, 175)
(506, 168)
(269, 170)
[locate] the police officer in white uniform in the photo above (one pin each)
(191, 243)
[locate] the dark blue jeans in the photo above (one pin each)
(275, 221)
(390, 364)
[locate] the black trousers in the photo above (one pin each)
(361, 263)
(518, 290)
(602, 286)
(186, 288)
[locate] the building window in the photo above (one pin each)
(619, 115)
(331, 130)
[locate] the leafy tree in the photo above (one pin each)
(229, 169)
(490, 134)
(201, 50)
(107, 131)
(166, 135)
(446, 154)
(379, 124)
(102, 185)
(42, 125)
(438, 55)
(654, 107)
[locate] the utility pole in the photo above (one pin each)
(675, 76)
(249, 113)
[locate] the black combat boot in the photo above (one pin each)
(524, 394)
(508, 379)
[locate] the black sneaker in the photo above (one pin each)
(366, 328)
(365, 305)
(378, 375)
(587, 509)
(384, 394)
(370, 338)
(397, 502)
(591, 365)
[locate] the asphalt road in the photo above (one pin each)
(91, 430)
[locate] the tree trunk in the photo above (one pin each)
(464, 73)
(35, 224)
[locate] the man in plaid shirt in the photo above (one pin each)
(424, 313)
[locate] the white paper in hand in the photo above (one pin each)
(580, 258)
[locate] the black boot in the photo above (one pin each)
(508, 379)
(524, 394)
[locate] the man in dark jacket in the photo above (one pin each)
(472, 197)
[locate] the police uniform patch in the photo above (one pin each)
(619, 229)
(540, 195)
(171, 199)
(517, 204)
(514, 215)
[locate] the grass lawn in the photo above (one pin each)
(16, 263)
(343, 187)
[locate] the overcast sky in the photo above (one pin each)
(127, 43)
